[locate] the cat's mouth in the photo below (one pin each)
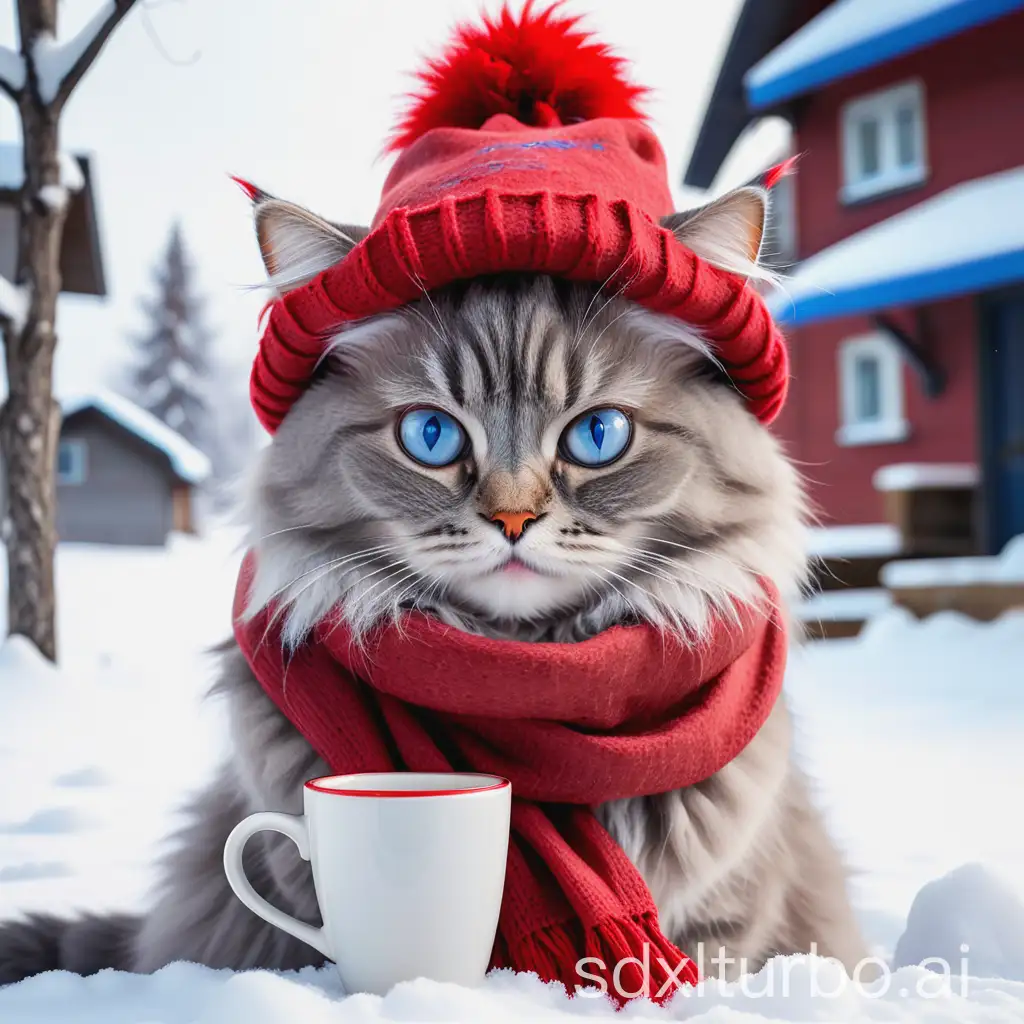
(514, 566)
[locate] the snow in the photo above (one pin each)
(863, 540)
(71, 176)
(20, 659)
(55, 197)
(790, 989)
(839, 28)
(188, 462)
(911, 733)
(12, 67)
(916, 476)
(976, 220)
(12, 169)
(853, 605)
(13, 303)
(970, 906)
(53, 59)
(1006, 568)
(96, 793)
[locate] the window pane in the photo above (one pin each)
(65, 460)
(867, 389)
(867, 144)
(906, 136)
(71, 462)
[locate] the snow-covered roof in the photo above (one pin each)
(918, 476)
(861, 540)
(844, 605)
(186, 460)
(966, 239)
(1004, 568)
(851, 35)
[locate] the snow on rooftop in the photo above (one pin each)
(851, 35)
(853, 605)
(187, 461)
(1006, 568)
(12, 170)
(965, 239)
(863, 540)
(916, 476)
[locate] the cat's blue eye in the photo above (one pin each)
(597, 437)
(431, 437)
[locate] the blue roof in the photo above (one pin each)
(967, 239)
(851, 35)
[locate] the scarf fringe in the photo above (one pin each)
(628, 958)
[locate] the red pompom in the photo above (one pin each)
(540, 68)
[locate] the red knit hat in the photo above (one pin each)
(525, 151)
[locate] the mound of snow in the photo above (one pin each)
(968, 913)
(21, 663)
(788, 989)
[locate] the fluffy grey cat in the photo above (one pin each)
(699, 502)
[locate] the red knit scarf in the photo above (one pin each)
(628, 713)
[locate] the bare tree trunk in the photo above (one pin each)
(30, 419)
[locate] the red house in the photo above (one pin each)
(904, 229)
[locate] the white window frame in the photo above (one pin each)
(882, 107)
(891, 426)
(79, 462)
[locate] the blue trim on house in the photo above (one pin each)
(939, 24)
(957, 279)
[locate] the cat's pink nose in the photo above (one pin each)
(513, 524)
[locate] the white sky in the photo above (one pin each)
(297, 96)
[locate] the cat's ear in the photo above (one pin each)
(295, 244)
(727, 232)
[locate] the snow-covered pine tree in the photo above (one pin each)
(172, 356)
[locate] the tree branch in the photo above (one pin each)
(69, 61)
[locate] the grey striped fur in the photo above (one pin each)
(679, 529)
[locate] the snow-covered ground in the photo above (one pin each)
(94, 759)
(791, 989)
(912, 731)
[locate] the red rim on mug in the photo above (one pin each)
(320, 785)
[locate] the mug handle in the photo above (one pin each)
(294, 827)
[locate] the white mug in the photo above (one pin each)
(408, 867)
